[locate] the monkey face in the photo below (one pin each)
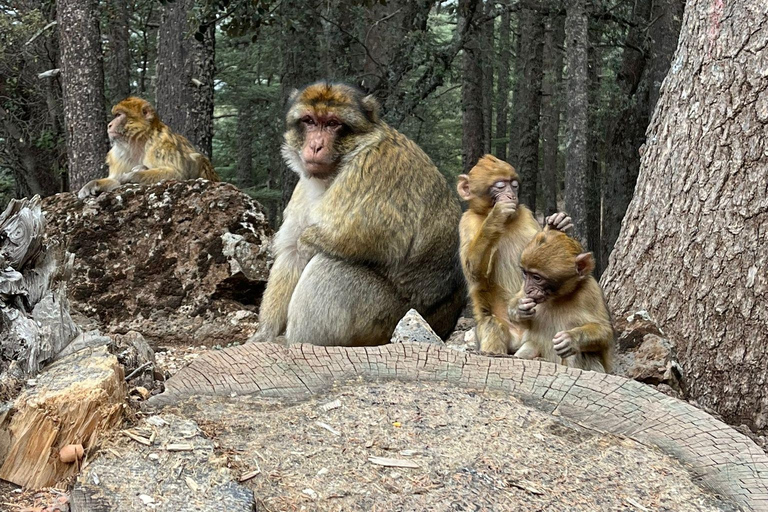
(537, 287)
(504, 190)
(489, 182)
(319, 153)
(115, 127)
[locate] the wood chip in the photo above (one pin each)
(179, 447)
(636, 504)
(328, 428)
(191, 484)
(525, 487)
(392, 463)
(138, 439)
(250, 474)
(331, 405)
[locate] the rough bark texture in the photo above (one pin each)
(527, 103)
(502, 87)
(486, 40)
(185, 67)
(692, 249)
(118, 57)
(472, 127)
(83, 89)
(551, 105)
(595, 142)
(647, 55)
(245, 145)
(576, 158)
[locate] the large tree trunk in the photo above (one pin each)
(502, 88)
(550, 110)
(595, 144)
(527, 103)
(118, 64)
(647, 55)
(692, 248)
(486, 38)
(472, 128)
(576, 159)
(83, 89)
(185, 67)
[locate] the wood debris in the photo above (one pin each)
(392, 463)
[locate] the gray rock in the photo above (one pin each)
(412, 328)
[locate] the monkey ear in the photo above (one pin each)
(148, 112)
(462, 187)
(293, 95)
(371, 107)
(585, 264)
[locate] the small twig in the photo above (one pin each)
(137, 371)
(40, 32)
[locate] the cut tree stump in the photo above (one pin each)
(74, 401)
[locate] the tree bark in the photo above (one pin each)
(185, 68)
(550, 110)
(646, 59)
(472, 127)
(527, 103)
(502, 87)
(118, 62)
(83, 89)
(595, 143)
(692, 245)
(486, 40)
(576, 159)
(245, 145)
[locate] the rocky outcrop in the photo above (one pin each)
(177, 261)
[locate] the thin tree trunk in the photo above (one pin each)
(473, 130)
(692, 248)
(83, 89)
(502, 90)
(527, 103)
(551, 106)
(595, 143)
(185, 68)
(487, 54)
(245, 146)
(646, 59)
(577, 161)
(118, 65)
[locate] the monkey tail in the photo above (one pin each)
(206, 168)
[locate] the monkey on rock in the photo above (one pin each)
(561, 308)
(494, 231)
(144, 150)
(370, 231)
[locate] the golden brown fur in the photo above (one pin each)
(572, 306)
(144, 150)
(491, 245)
(370, 231)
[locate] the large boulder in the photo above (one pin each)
(177, 261)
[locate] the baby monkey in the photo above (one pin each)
(560, 308)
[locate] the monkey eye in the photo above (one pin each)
(308, 120)
(515, 184)
(499, 184)
(332, 123)
(536, 277)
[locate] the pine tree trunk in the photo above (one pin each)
(595, 143)
(502, 88)
(472, 127)
(692, 248)
(527, 103)
(551, 105)
(85, 118)
(645, 62)
(245, 146)
(487, 63)
(185, 68)
(576, 159)
(118, 63)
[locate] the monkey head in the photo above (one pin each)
(554, 265)
(134, 120)
(324, 123)
(490, 181)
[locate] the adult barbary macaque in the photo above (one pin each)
(494, 231)
(144, 150)
(370, 231)
(560, 308)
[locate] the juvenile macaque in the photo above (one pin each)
(494, 231)
(370, 231)
(560, 308)
(144, 150)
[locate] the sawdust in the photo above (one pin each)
(474, 451)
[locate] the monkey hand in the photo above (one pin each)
(503, 210)
(526, 308)
(90, 189)
(559, 221)
(564, 344)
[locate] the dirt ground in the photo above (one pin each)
(473, 451)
